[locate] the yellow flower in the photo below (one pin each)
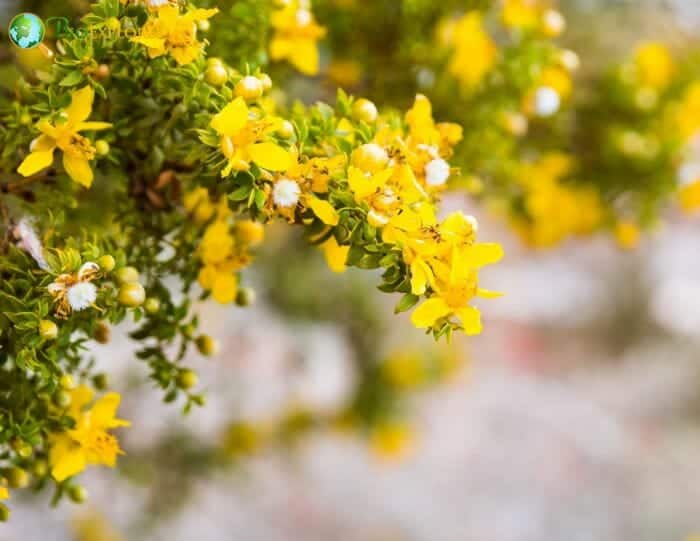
(174, 33)
(335, 254)
(78, 151)
(220, 280)
(627, 235)
(689, 197)
(4, 493)
(89, 441)
(242, 140)
(474, 52)
(392, 440)
(198, 204)
(520, 13)
(456, 285)
(654, 64)
(296, 34)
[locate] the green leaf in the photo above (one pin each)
(407, 302)
(72, 79)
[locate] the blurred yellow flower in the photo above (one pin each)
(295, 37)
(169, 31)
(627, 235)
(654, 65)
(392, 440)
(689, 196)
(474, 51)
(89, 442)
(78, 151)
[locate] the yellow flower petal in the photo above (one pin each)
(488, 294)
(201, 14)
(225, 287)
(42, 143)
(35, 162)
(421, 274)
(336, 255)
(4, 493)
(429, 312)
(231, 118)
(304, 56)
(81, 105)
(103, 413)
(482, 254)
(93, 126)
(471, 320)
(67, 459)
(270, 156)
(324, 210)
(78, 168)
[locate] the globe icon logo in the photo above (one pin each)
(26, 30)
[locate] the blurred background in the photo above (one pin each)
(575, 415)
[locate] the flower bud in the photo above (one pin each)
(62, 399)
(266, 81)
(214, 61)
(48, 330)
(40, 468)
(187, 379)
(22, 448)
(188, 330)
(286, 129)
(216, 74)
(245, 296)
(4, 513)
(106, 263)
(103, 71)
(102, 334)
(17, 477)
(101, 147)
(249, 88)
(126, 275)
(250, 232)
(370, 158)
(132, 294)
(152, 305)
(100, 381)
(364, 110)
(203, 25)
(206, 345)
(77, 493)
(66, 382)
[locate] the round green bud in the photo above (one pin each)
(40, 468)
(66, 382)
(127, 275)
(48, 330)
(22, 448)
(62, 398)
(4, 513)
(245, 296)
(188, 330)
(207, 345)
(101, 147)
(17, 477)
(25, 119)
(100, 381)
(152, 305)
(77, 493)
(216, 74)
(132, 294)
(107, 263)
(187, 379)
